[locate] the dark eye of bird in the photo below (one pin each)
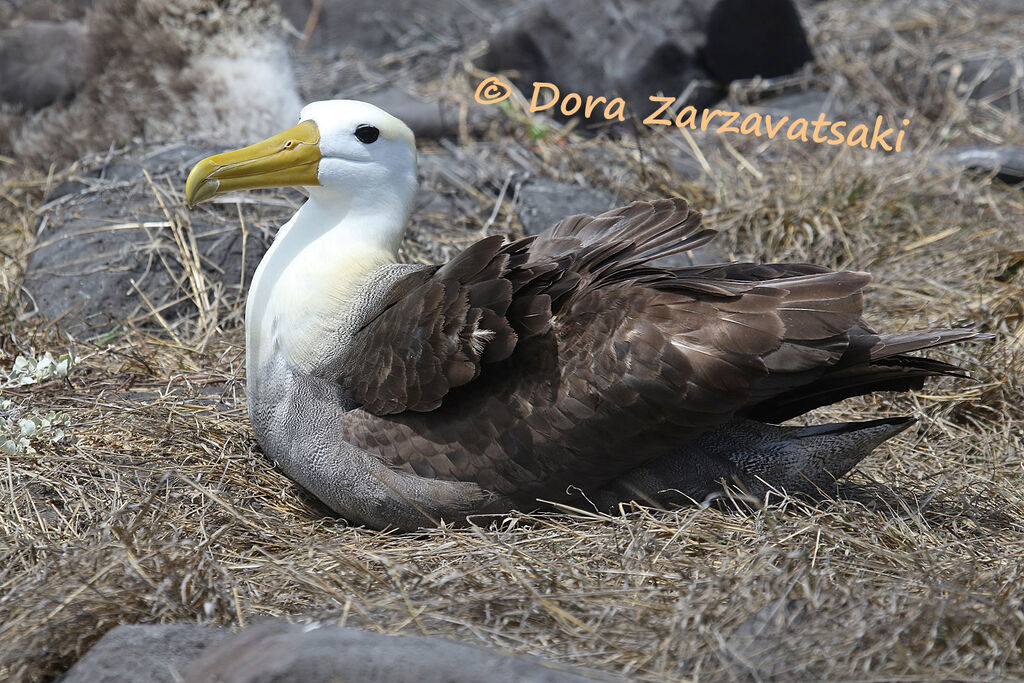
(367, 133)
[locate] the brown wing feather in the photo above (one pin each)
(603, 362)
(626, 373)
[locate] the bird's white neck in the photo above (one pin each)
(378, 221)
(303, 289)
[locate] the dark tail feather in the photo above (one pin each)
(834, 387)
(872, 363)
(890, 345)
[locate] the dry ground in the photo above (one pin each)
(157, 506)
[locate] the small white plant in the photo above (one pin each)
(20, 427)
(19, 430)
(28, 370)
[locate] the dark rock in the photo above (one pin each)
(356, 45)
(313, 653)
(635, 50)
(41, 62)
(603, 49)
(106, 230)
(154, 653)
(807, 104)
(736, 46)
(1006, 162)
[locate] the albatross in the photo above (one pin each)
(402, 395)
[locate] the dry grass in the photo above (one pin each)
(159, 507)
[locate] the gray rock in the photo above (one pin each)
(996, 7)
(1006, 162)
(106, 230)
(794, 640)
(996, 80)
(377, 28)
(542, 202)
(277, 651)
(807, 104)
(428, 120)
(761, 645)
(701, 256)
(311, 653)
(132, 653)
(446, 201)
(13, 11)
(41, 62)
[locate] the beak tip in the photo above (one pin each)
(200, 188)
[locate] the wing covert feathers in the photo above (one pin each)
(438, 331)
(435, 334)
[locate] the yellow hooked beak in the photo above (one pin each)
(287, 159)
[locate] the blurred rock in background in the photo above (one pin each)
(41, 63)
(313, 653)
(633, 50)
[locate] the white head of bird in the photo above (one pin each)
(358, 164)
